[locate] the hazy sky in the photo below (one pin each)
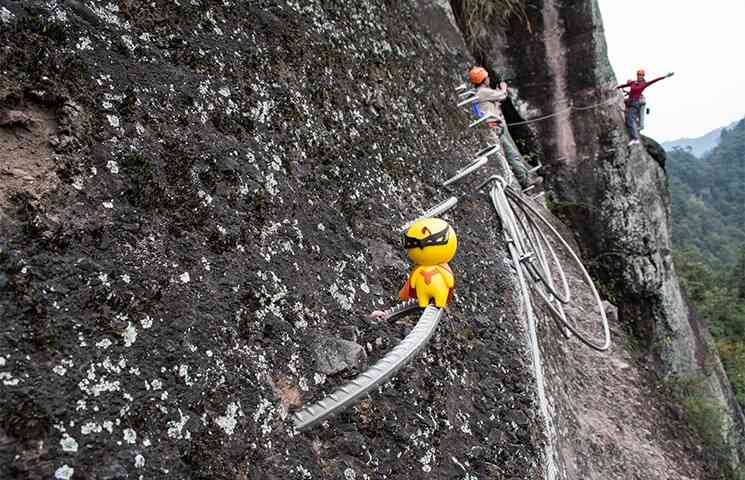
(702, 42)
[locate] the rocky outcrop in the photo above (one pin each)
(615, 196)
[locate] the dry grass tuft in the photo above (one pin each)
(478, 14)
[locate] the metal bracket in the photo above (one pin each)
(493, 178)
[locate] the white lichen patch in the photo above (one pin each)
(130, 436)
(59, 370)
(346, 302)
(84, 43)
(184, 277)
(8, 379)
(113, 167)
(88, 386)
(108, 13)
(90, 427)
(104, 278)
(113, 120)
(127, 41)
(183, 372)
(125, 278)
(175, 427)
(109, 205)
(2, 361)
(129, 334)
(139, 461)
(64, 473)
(229, 421)
(68, 443)
(427, 459)
(6, 15)
(146, 322)
(265, 407)
(206, 198)
(104, 344)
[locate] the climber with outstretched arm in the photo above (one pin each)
(488, 104)
(634, 102)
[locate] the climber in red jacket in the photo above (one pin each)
(634, 101)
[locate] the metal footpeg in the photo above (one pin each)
(483, 119)
(435, 211)
(462, 87)
(536, 168)
(468, 101)
(374, 376)
(487, 151)
(478, 163)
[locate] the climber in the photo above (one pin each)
(488, 103)
(634, 102)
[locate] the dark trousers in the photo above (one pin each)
(633, 110)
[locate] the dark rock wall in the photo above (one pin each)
(232, 176)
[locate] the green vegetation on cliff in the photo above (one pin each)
(708, 197)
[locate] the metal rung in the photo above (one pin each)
(476, 164)
(467, 93)
(378, 374)
(535, 169)
(488, 151)
(461, 87)
(468, 101)
(483, 120)
(437, 210)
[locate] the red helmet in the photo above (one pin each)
(477, 75)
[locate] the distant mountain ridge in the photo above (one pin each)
(699, 145)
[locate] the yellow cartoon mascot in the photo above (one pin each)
(430, 243)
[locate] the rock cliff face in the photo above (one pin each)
(204, 192)
(614, 196)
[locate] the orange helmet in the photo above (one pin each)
(477, 75)
(640, 72)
